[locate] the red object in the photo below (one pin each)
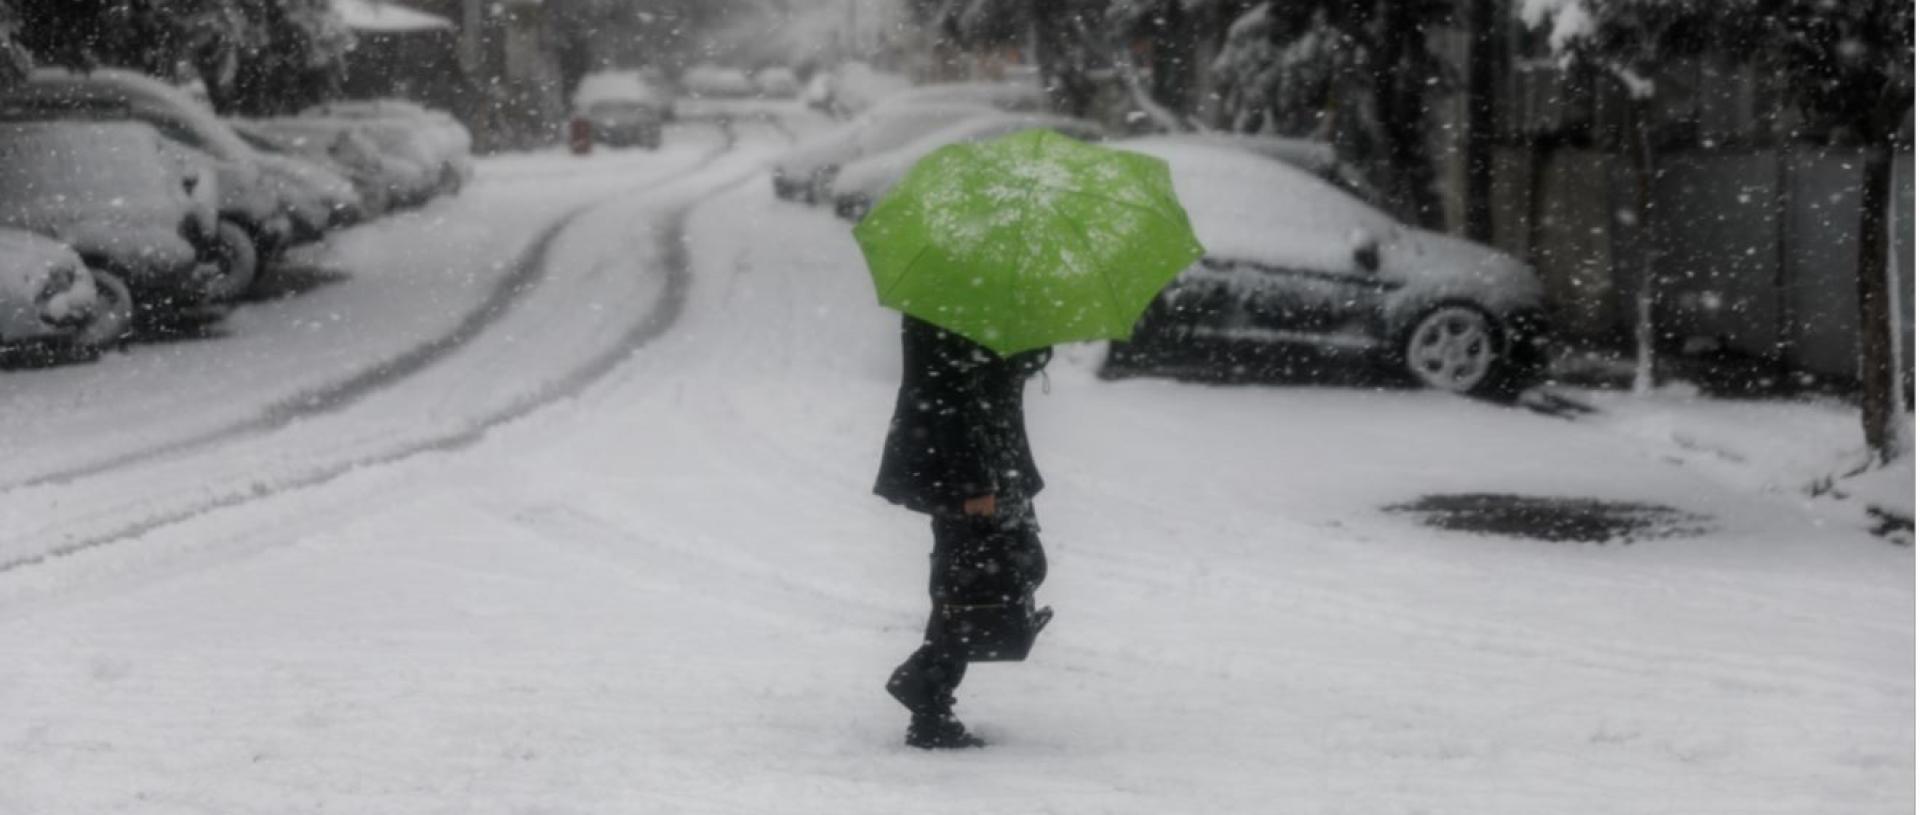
(579, 135)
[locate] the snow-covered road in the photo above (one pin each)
(587, 562)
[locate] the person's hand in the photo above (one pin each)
(979, 505)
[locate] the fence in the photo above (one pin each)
(1755, 249)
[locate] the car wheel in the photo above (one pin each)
(234, 263)
(112, 318)
(1453, 348)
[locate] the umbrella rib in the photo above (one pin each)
(905, 270)
(1113, 297)
(1128, 204)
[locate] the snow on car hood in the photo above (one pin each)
(306, 184)
(1430, 267)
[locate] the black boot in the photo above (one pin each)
(924, 684)
(940, 732)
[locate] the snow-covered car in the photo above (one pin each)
(128, 206)
(48, 295)
(1314, 156)
(623, 108)
(249, 195)
(776, 83)
(717, 82)
(862, 182)
(1292, 260)
(323, 193)
(852, 88)
(412, 131)
(384, 182)
(806, 172)
(318, 197)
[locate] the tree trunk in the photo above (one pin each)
(1649, 240)
(1400, 105)
(1879, 409)
(1479, 138)
(1061, 56)
(1175, 42)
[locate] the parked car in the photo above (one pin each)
(708, 81)
(776, 83)
(251, 196)
(860, 183)
(806, 173)
(384, 182)
(852, 88)
(1316, 157)
(430, 137)
(322, 191)
(48, 295)
(1293, 261)
(129, 204)
(623, 108)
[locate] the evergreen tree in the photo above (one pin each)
(14, 61)
(1356, 74)
(291, 56)
(257, 56)
(1069, 38)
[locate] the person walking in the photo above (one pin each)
(957, 451)
(995, 252)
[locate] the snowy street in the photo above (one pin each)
(553, 497)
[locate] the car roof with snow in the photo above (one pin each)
(1247, 207)
(617, 86)
(173, 111)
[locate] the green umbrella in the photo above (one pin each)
(1028, 240)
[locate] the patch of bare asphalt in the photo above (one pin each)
(1556, 519)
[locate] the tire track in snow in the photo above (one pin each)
(675, 264)
(529, 269)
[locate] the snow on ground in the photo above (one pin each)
(1808, 453)
(669, 591)
(379, 292)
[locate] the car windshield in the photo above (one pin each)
(100, 163)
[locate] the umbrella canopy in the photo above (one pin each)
(1028, 240)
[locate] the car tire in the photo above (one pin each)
(236, 262)
(1455, 347)
(113, 318)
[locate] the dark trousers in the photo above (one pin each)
(974, 560)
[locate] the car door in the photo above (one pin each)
(1330, 304)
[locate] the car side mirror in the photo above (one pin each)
(1366, 253)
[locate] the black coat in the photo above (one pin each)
(959, 429)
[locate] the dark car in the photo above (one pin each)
(1294, 262)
